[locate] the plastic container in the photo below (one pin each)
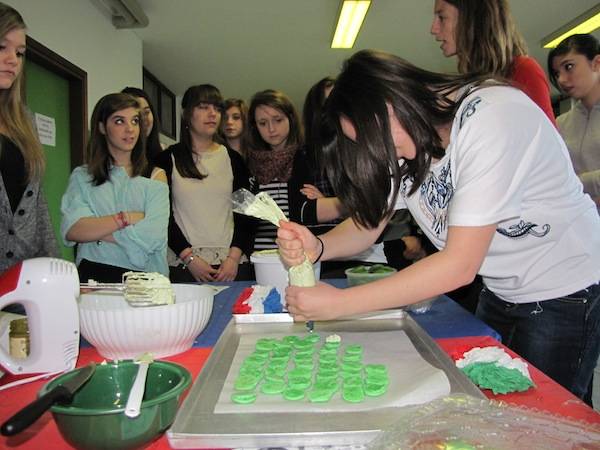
(463, 422)
(121, 331)
(365, 274)
(95, 419)
(270, 271)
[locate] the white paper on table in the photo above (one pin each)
(412, 379)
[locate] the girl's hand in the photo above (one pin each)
(201, 270)
(311, 192)
(295, 241)
(322, 302)
(228, 270)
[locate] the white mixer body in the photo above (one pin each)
(48, 289)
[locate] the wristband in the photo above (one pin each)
(117, 221)
(322, 250)
(187, 261)
(184, 254)
(122, 219)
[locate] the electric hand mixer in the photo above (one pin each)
(48, 289)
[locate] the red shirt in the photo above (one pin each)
(529, 76)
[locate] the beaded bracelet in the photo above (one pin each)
(117, 221)
(322, 250)
(123, 219)
(184, 254)
(188, 260)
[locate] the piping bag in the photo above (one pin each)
(262, 206)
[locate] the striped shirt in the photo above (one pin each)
(266, 232)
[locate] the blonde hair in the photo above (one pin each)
(487, 39)
(13, 114)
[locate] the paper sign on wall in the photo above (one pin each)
(46, 128)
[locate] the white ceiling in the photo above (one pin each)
(243, 46)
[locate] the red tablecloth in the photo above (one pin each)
(547, 396)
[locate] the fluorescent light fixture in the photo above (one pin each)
(585, 23)
(349, 22)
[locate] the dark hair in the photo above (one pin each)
(584, 44)
(240, 104)
(363, 173)
(98, 158)
(280, 101)
(193, 96)
(313, 109)
(487, 39)
(153, 147)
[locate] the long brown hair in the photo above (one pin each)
(153, 147)
(193, 96)
(98, 157)
(13, 114)
(277, 100)
(487, 39)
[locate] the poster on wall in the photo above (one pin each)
(46, 128)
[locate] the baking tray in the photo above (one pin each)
(286, 317)
(196, 426)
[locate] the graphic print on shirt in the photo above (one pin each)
(469, 110)
(522, 229)
(436, 192)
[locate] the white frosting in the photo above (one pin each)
(493, 355)
(255, 301)
(146, 287)
(333, 338)
(302, 275)
(264, 207)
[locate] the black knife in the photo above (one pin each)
(62, 393)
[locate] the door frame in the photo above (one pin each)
(77, 79)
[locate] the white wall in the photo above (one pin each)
(80, 33)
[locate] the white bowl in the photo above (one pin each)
(121, 331)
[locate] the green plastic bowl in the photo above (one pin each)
(96, 417)
(365, 274)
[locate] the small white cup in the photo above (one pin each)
(270, 271)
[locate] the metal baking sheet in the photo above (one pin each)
(285, 317)
(197, 426)
(262, 318)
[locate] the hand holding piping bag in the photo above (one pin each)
(302, 274)
(296, 243)
(300, 270)
(293, 240)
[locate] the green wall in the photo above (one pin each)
(48, 94)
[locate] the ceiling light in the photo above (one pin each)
(349, 22)
(585, 23)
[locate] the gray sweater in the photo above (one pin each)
(580, 129)
(28, 232)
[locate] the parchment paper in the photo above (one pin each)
(412, 379)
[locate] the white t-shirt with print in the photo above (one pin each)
(506, 164)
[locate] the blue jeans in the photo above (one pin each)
(561, 336)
